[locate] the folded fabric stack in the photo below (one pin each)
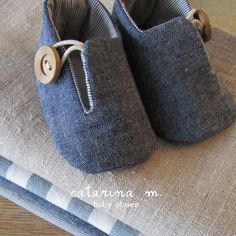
(76, 215)
(180, 190)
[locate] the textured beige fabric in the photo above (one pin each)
(196, 183)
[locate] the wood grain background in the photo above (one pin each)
(16, 221)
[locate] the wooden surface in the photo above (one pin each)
(16, 221)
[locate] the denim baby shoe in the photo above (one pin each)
(87, 91)
(183, 96)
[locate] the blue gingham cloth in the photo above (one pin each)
(54, 195)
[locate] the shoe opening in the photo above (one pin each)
(80, 20)
(149, 13)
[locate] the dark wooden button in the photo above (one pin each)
(206, 32)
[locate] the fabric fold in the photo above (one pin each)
(36, 188)
(45, 210)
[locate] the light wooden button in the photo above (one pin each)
(202, 16)
(47, 65)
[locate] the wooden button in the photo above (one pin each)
(204, 19)
(47, 65)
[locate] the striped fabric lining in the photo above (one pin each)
(149, 13)
(81, 20)
(63, 200)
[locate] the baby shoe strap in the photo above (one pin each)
(76, 46)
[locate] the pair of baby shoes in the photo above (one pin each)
(106, 93)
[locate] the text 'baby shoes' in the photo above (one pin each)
(182, 94)
(87, 92)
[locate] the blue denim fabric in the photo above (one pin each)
(47, 210)
(117, 132)
(185, 99)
